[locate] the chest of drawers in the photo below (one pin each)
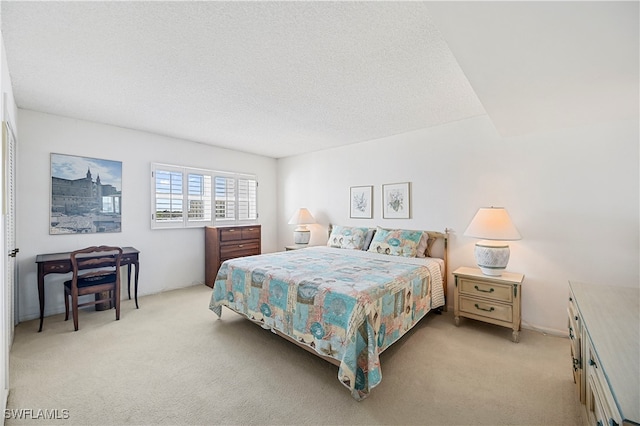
(495, 300)
(604, 328)
(228, 242)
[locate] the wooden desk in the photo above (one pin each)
(60, 263)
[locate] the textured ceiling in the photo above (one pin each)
(283, 78)
(538, 66)
(273, 78)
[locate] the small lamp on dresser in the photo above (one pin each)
(301, 218)
(494, 226)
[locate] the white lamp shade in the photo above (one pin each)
(301, 217)
(492, 223)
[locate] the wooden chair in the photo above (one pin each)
(95, 270)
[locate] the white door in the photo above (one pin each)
(9, 264)
(9, 213)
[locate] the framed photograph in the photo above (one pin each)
(360, 199)
(86, 195)
(396, 201)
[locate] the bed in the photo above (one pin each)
(346, 302)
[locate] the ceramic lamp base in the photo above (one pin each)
(301, 237)
(492, 257)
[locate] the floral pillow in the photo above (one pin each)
(347, 237)
(396, 242)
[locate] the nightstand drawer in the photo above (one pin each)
(488, 298)
(486, 289)
(477, 307)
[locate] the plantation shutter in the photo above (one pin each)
(189, 197)
(199, 198)
(225, 195)
(247, 199)
(168, 196)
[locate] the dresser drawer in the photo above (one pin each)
(229, 251)
(230, 234)
(577, 373)
(600, 401)
(496, 311)
(489, 290)
(251, 233)
(229, 242)
(574, 334)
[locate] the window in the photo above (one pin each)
(236, 198)
(247, 194)
(186, 197)
(199, 196)
(225, 198)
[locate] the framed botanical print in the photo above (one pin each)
(360, 199)
(396, 201)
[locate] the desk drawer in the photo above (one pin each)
(477, 307)
(492, 291)
(58, 268)
(128, 258)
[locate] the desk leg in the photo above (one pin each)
(136, 284)
(41, 294)
(129, 280)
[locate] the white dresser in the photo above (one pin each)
(604, 327)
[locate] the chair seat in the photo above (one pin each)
(94, 280)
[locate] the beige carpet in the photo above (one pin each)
(173, 362)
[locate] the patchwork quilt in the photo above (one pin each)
(346, 304)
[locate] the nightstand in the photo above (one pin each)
(494, 300)
(296, 246)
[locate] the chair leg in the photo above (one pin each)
(116, 302)
(66, 306)
(74, 301)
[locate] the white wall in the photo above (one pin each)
(573, 195)
(169, 258)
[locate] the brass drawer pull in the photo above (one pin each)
(484, 309)
(491, 290)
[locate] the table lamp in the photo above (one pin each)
(493, 225)
(301, 218)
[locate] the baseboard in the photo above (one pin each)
(546, 330)
(527, 326)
